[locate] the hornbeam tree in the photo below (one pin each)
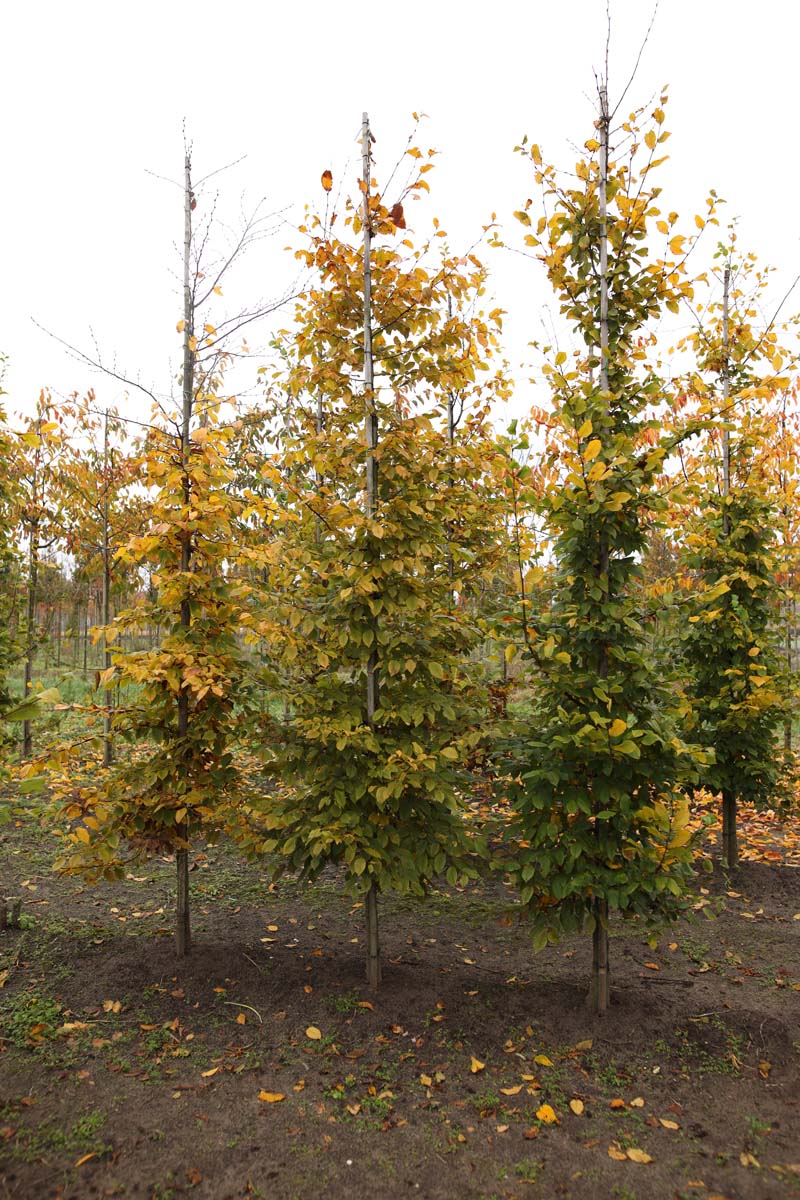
(600, 812)
(179, 696)
(733, 643)
(388, 523)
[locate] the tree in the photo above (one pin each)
(737, 672)
(601, 815)
(180, 695)
(385, 522)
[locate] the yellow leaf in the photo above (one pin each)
(638, 1156)
(82, 835)
(546, 1115)
(543, 1060)
(501, 1128)
(327, 180)
(617, 1154)
(699, 222)
(298, 1087)
(512, 1091)
(208, 1074)
(241, 1019)
(354, 1109)
(669, 1124)
(638, 1102)
(676, 244)
(650, 139)
(313, 1033)
(85, 1158)
(592, 450)
(577, 1107)
(585, 429)
(426, 1080)
(586, 1045)
(618, 727)
(271, 1097)
(476, 1065)
(180, 326)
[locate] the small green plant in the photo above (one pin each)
(528, 1169)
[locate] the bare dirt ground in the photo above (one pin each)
(262, 1066)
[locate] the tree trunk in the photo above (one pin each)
(373, 943)
(30, 634)
(599, 988)
(730, 846)
(371, 435)
(108, 747)
(600, 991)
(183, 941)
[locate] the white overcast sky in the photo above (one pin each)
(94, 95)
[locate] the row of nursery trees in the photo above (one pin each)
(342, 583)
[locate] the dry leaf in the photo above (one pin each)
(476, 1065)
(327, 180)
(85, 1158)
(241, 1019)
(638, 1156)
(313, 1033)
(298, 1087)
(668, 1124)
(194, 1176)
(546, 1115)
(426, 1080)
(577, 1107)
(637, 1102)
(512, 1091)
(530, 1134)
(354, 1109)
(585, 1045)
(617, 1154)
(271, 1097)
(543, 1061)
(208, 1074)
(366, 1004)
(617, 1103)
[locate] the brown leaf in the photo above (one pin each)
(327, 180)
(396, 215)
(194, 1176)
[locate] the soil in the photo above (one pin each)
(475, 1071)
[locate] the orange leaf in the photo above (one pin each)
(327, 180)
(546, 1115)
(271, 1097)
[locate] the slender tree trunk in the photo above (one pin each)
(183, 937)
(30, 634)
(730, 849)
(600, 987)
(108, 746)
(730, 844)
(373, 942)
(371, 435)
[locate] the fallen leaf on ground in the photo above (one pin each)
(638, 1156)
(271, 1097)
(425, 1080)
(546, 1115)
(637, 1102)
(668, 1124)
(543, 1061)
(617, 1154)
(85, 1158)
(577, 1107)
(512, 1091)
(208, 1074)
(476, 1065)
(313, 1033)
